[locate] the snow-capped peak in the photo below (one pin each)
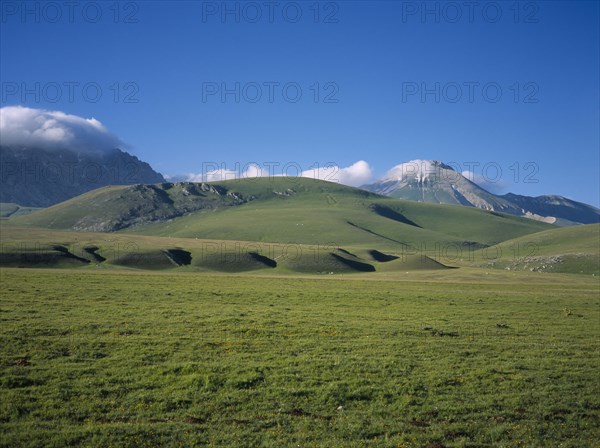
(416, 169)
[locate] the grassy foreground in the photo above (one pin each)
(125, 358)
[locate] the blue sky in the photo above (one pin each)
(361, 66)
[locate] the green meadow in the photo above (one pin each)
(282, 313)
(452, 358)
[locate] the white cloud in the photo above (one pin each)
(38, 128)
(211, 176)
(413, 168)
(354, 175)
(495, 186)
(252, 171)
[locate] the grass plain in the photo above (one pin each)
(451, 358)
(336, 318)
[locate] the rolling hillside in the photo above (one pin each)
(8, 209)
(280, 210)
(42, 248)
(114, 208)
(574, 250)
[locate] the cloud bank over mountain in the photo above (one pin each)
(24, 127)
(354, 175)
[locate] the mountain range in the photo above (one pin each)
(36, 177)
(421, 216)
(435, 182)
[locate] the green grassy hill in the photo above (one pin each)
(309, 226)
(573, 250)
(8, 210)
(317, 212)
(114, 208)
(280, 210)
(43, 248)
